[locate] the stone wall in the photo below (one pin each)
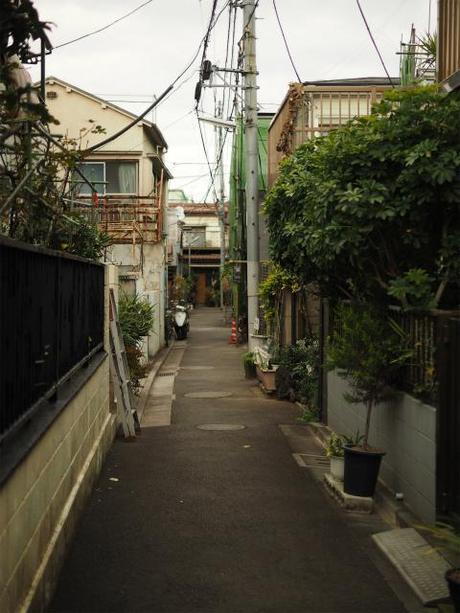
(406, 429)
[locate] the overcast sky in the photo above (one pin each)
(143, 54)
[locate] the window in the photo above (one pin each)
(109, 177)
(194, 237)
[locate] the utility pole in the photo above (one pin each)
(251, 154)
(219, 113)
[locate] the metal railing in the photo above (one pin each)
(51, 323)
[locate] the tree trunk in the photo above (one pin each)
(369, 406)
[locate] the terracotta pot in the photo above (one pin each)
(267, 378)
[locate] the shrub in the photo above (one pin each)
(302, 362)
(136, 320)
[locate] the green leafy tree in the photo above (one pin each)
(361, 207)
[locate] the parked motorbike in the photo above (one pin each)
(181, 320)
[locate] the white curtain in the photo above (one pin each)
(127, 177)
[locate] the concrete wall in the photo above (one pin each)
(406, 429)
(39, 503)
(149, 283)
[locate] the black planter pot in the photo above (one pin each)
(453, 581)
(361, 471)
(250, 371)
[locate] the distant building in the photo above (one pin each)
(194, 238)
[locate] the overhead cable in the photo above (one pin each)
(109, 25)
(285, 42)
(162, 96)
(374, 43)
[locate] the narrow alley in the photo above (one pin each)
(188, 518)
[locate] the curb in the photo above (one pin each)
(160, 359)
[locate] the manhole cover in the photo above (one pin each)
(208, 394)
(221, 427)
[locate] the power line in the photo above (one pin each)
(286, 43)
(374, 43)
(163, 96)
(205, 151)
(109, 25)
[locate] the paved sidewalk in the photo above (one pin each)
(217, 521)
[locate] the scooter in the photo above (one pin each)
(180, 321)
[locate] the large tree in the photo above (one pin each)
(376, 202)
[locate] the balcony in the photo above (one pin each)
(126, 219)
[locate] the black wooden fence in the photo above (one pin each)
(51, 323)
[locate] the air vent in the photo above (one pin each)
(51, 95)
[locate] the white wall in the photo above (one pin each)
(149, 282)
(406, 429)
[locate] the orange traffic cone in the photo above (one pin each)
(232, 337)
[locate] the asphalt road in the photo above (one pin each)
(217, 521)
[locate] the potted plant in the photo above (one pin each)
(368, 350)
(334, 451)
(265, 369)
(249, 365)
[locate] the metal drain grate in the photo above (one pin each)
(311, 459)
(166, 374)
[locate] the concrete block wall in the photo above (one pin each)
(41, 500)
(406, 429)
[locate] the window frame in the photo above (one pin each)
(104, 184)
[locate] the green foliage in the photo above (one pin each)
(181, 288)
(136, 318)
(309, 414)
(356, 209)
(334, 446)
(271, 289)
(248, 358)
(80, 237)
(368, 351)
(353, 440)
(20, 25)
(413, 289)
(137, 370)
(446, 534)
(303, 362)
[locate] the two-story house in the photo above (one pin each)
(131, 181)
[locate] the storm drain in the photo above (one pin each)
(312, 460)
(221, 427)
(166, 374)
(208, 394)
